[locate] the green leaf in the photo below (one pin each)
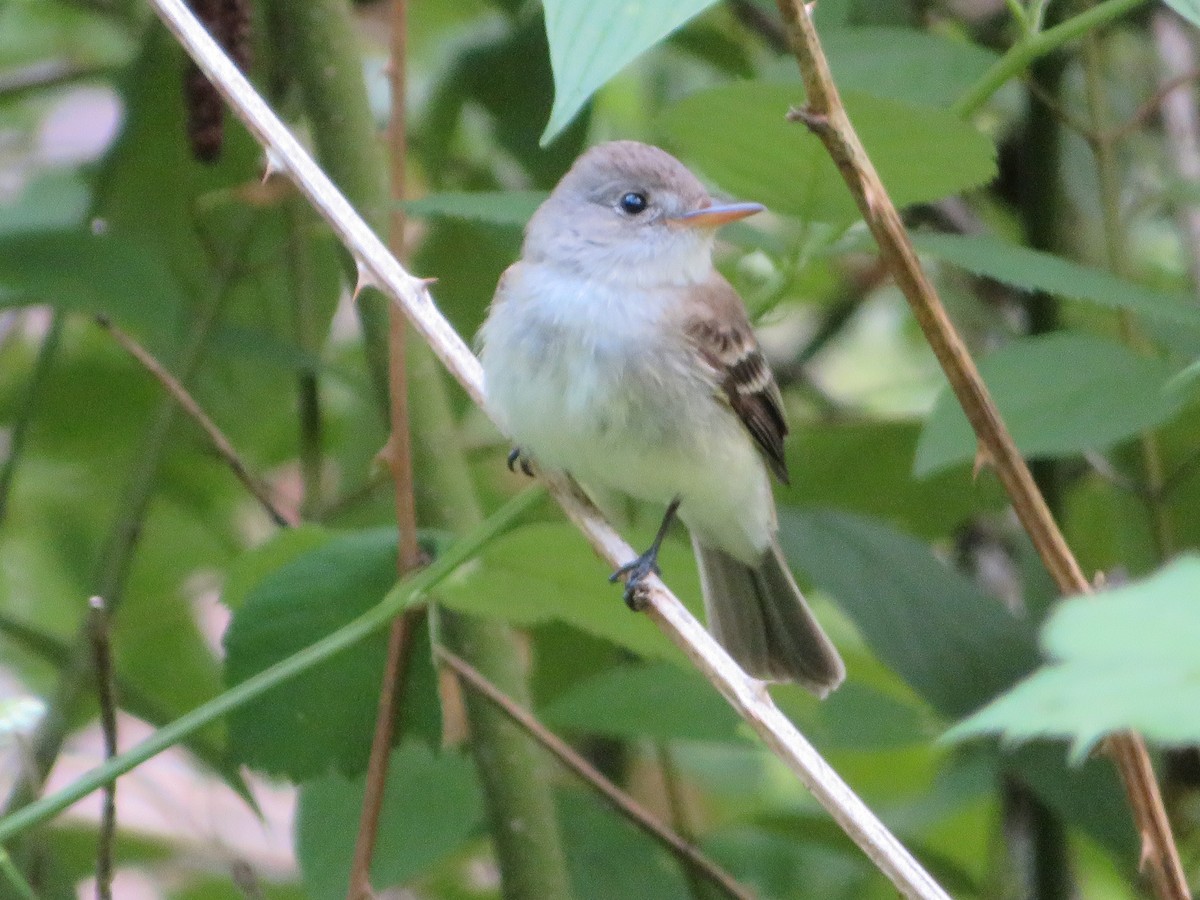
(902, 63)
(77, 271)
(650, 701)
(1124, 659)
(1032, 270)
(953, 644)
(921, 153)
(1189, 9)
(324, 718)
(57, 199)
(251, 567)
(866, 467)
(543, 573)
(513, 208)
(1059, 394)
(431, 804)
(591, 42)
(859, 717)
(608, 857)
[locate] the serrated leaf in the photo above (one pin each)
(321, 720)
(1121, 660)
(591, 42)
(921, 153)
(652, 701)
(431, 804)
(513, 208)
(1032, 270)
(1189, 9)
(77, 271)
(953, 644)
(543, 573)
(1059, 394)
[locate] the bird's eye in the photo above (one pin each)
(633, 203)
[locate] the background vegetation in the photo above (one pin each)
(1057, 212)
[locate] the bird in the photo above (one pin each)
(613, 350)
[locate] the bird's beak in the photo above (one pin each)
(717, 215)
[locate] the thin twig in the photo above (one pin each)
(106, 696)
(400, 461)
(1159, 100)
(113, 567)
(189, 405)
(827, 118)
(746, 695)
(1064, 115)
(683, 850)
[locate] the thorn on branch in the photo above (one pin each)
(816, 122)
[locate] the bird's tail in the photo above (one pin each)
(759, 616)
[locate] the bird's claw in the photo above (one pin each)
(635, 573)
(517, 458)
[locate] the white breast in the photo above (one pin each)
(589, 379)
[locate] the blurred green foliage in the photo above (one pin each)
(934, 597)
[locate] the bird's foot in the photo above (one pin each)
(516, 457)
(635, 573)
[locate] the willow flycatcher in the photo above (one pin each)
(616, 352)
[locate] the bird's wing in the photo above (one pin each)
(719, 330)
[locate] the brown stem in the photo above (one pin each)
(188, 404)
(400, 461)
(827, 118)
(684, 851)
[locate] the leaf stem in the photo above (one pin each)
(1026, 50)
(400, 597)
(221, 444)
